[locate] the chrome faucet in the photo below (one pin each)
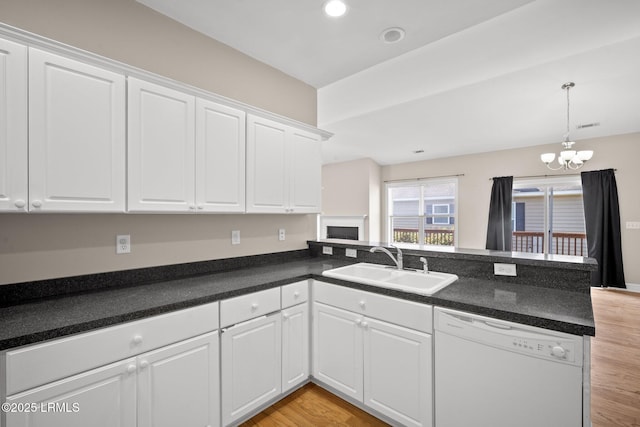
(397, 260)
(425, 265)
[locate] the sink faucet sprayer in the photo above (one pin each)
(397, 260)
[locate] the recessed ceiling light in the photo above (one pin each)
(392, 35)
(335, 8)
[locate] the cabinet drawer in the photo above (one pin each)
(295, 293)
(245, 307)
(394, 310)
(38, 364)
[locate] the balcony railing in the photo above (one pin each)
(431, 237)
(561, 243)
(523, 241)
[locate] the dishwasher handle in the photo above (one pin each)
(458, 321)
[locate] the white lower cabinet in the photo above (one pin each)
(174, 385)
(178, 385)
(398, 372)
(295, 346)
(384, 365)
(337, 349)
(102, 397)
(251, 366)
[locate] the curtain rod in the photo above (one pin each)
(547, 176)
(424, 178)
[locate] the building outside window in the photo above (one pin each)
(422, 212)
(548, 216)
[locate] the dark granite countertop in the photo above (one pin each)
(42, 319)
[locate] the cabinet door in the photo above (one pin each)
(251, 366)
(76, 136)
(13, 127)
(178, 384)
(295, 346)
(220, 158)
(161, 161)
(306, 172)
(103, 397)
(398, 372)
(337, 349)
(267, 167)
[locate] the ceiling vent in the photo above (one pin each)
(588, 125)
(392, 35)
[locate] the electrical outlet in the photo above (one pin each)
(327, 250)
(123, 244)
(351, 253)
(500, 269)
(235, 237)
(281, 234)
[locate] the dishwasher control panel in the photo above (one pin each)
(515, 337)
(555, 348)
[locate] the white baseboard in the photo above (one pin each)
(634, 287)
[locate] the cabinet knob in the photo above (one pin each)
(296, 294)
(36, 203)
(192, 207)
(137, 339)
(363, 304)
(131, 369)
(200, 207)
(254, 306)
(365, 325)
(20, 203)
(358, 322)
(144, 364)
(285, 316)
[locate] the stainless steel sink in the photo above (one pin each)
(413, 281)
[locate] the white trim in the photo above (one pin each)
(633, 287)
(33, 40)
(325, 221)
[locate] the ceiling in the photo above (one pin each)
(470, 76)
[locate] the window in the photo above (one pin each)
(422, 212)
(548, 216)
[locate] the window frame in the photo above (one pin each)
(422, 214)
(546, 185)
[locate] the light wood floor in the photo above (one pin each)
(312, 406)
(615, 377)
(615, 359)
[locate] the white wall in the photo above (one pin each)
(34, 247)
(619, 152)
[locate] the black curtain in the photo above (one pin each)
(499, 227)
(602, 221)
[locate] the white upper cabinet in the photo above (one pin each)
(161, 148)
(76, 136)
(283, 168)
(13, 127)
(306, 172)
(220, 157)
(185, 154)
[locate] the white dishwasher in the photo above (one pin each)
(493, 373)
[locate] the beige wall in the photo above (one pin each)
(352, 188)
(619, 152)
(129, 32)
(34, 247)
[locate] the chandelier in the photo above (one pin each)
(568, 157)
